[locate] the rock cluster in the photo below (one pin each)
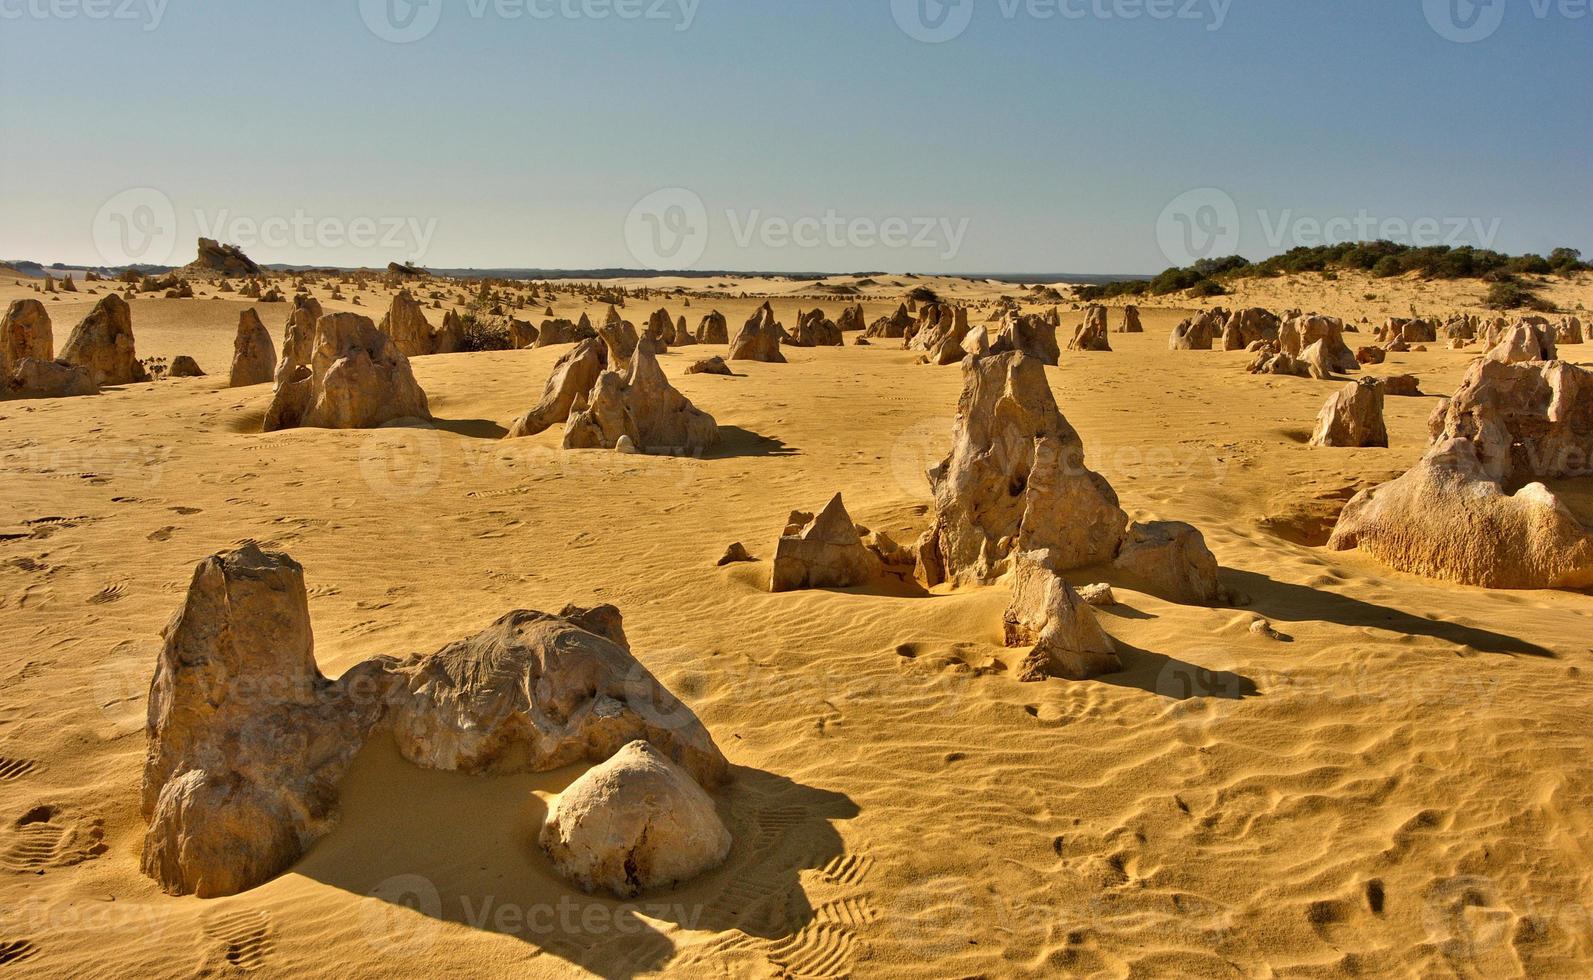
(248, 743)
(573, 376)
(759, 339)
(823, 553)
(356, 379)
(1475, 509)
(642, 407)
(1092, 335)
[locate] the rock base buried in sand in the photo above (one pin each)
(828, 555)
(1353, 418)
(47, 379)
(247, 741)
(357, 379)
(1049, 615)
(1170, 560)
(633, 824)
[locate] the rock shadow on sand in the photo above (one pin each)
(460, 851)
(1287, 603)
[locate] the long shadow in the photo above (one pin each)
(471, 428)
(428, 851)
(1177, 680)
(1301, 604)
(734, 441)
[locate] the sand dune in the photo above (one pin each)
(1399, 789)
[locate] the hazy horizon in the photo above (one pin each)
(834, 137)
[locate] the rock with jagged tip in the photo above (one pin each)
(600, 419)
(1034, 336)
(103, 344)
(636, 823)
(298, 339)
(1015, 481)
(1569, 332)
(661, 329)
(683, 336)
(815, 330)
(523, 335)
(25, 332)
(67, 285)
(1353, 418)
(712, 365)
(1270, 360)
(893, 327)
(534, 693)
(247, 741)
(1195, 333)
(49, 284)
(852, 319)
(1092, 335)
(357, 379)
(1250, 326)
(573, 376)
(1448, 519)
(408, 327)
(1299, 333)
(666, 420)
(1529, 421)
(621, 337)
(37, 378)
(1047, 615)
(829, 554)
(450, 337)
(215, 259)
(1170, 560)
(183, 366)
(760, 339)
(254, 356)
(1131, 321)
(713, 329)
(939, 334)
(1320, 361)
(1525, 342)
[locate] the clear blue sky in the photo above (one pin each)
(513, 140)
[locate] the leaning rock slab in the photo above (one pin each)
(1353, 417)
(574, 375)
(1047, 614)
(1170, 560)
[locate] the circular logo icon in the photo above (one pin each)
(933, 21)
(401, 21)
(1198, 695)
(668, 229)
(402, 463)
(1465, 21)
(404, 916)
(1198, 224)
(121, 687)
(136, 227)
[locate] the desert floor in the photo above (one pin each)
(1403, 789)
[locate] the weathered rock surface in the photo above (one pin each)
(103, 344)
(633, 824)
(828, 554)
(1034, 336)
(357, 379)
(1092, 335)
(1015, 481)
(216, 259)
(254, 356)
(713, 329)
(408, 327)
(247, 741)
(1170, 560)
(1048, 615)
(711, 365)
(183, 366)
(813, 329)
(760, 339)
(1353, 417)
(35, 378)
(573, 376)
(25, 332)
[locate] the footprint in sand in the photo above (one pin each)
(44, 838)
(162, 534)
(108, 595)
(16, 768)
(16, 951)
(244, 935)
